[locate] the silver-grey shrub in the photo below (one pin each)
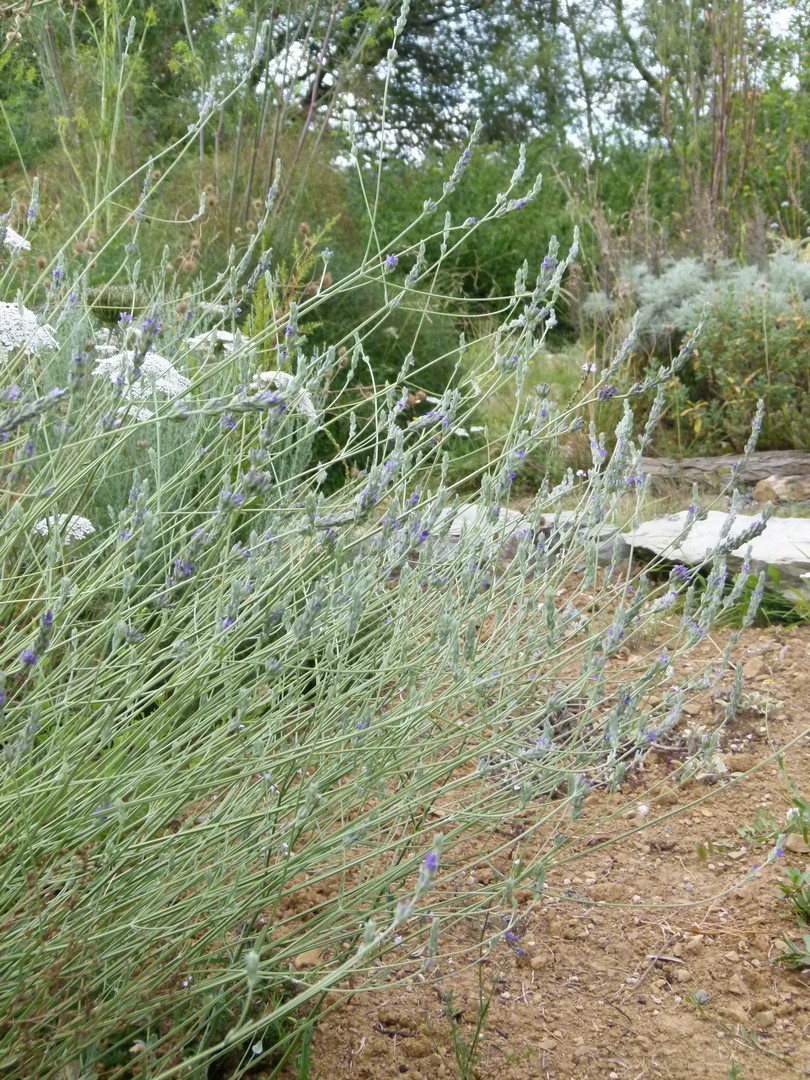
(245, 722)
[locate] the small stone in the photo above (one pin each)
(309, 959)
(733, 1013)
(753, 667)
(694, 943)
(736, 985)
(796, 845)
(765, 1019)
(701, 997)
(782, 489)
(683, 975)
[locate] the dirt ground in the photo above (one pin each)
(651, 956)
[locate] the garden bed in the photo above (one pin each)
(653, 949)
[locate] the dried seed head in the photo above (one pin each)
(188, 265)
(195, 243)
(41, 263)
(211, 200)
(303, 229)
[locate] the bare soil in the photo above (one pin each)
(653, 955)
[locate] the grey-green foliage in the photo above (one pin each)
(674, 298)
(245, 720)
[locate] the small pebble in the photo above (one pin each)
(701, 997)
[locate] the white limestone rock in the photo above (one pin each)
(784, 545)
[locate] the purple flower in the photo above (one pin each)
(780, 851)
(605, 393)
(47, 619)
(431, 863)
(29, 657)
(680, 571)
(549, 262)
(227, 621)
(471, 221)
(391, 262)
(124, 318)
(232, 499)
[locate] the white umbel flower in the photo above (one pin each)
(19, 330)
(74, 526)
(211, 338)
(136, 415)
(13, 240)
(157, 371)
(301, 402)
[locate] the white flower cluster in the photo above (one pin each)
(157, 371)
(211, 338)
(13, 239)
(19, 330)
(302, 402)
(135, 415)
(75, 527)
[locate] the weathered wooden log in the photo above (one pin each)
(716, 471)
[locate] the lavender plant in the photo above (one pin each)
(249, 728)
